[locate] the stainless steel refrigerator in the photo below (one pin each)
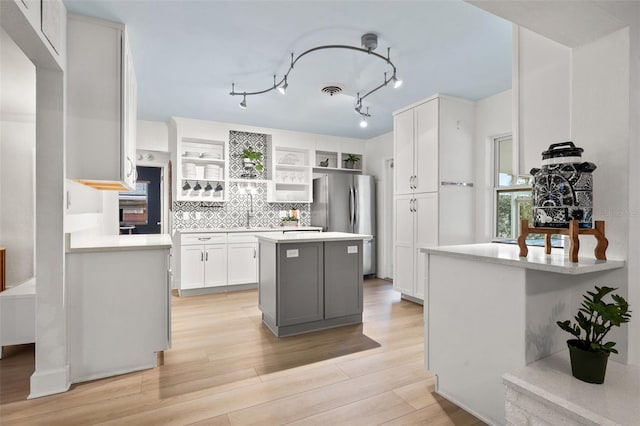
(347, 203)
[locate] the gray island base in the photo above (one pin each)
(310, 282)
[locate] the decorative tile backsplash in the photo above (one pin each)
(233, 213)
(241, 140)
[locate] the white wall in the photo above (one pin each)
(493, 119)
(17, 160)
(152, 136)
(376, 151)
(543, 93)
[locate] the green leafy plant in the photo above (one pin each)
(289, 219)
(352, 158)
(596, 318)
(254, 157)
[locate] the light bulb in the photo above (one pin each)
(363, 123)
(396, 82)
(283, 87)
(243, 104)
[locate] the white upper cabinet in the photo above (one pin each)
(416, 149)
(101, 105)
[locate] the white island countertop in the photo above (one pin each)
(508, 254)
(118, 242)
(256, 229)
(308, 237)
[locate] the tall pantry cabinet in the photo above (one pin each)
(433, 189)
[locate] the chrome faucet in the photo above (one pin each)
(249, 210)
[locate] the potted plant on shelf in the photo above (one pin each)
(589, 354)
(252, 159)
(351, 161)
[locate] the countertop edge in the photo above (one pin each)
(319, 237)
(572, 269)
(247, 230)
(118, 243)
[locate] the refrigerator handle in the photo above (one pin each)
(355, 207)
(351, 206)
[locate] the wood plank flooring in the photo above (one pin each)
(226, 368)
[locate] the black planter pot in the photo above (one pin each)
(587, 366)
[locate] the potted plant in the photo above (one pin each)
(350, 161)
(289, 221)
(251, 159)
(589, 354)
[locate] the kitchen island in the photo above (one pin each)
(488, 311)
(310, 281)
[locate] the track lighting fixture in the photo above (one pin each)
(369, 42)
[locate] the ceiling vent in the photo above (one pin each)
(331, 89)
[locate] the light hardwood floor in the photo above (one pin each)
(226, 368)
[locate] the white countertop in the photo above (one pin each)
(508, 254)
(118, 242)
(615, 402)
(307, 237)
(256, 229)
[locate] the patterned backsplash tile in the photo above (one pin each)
(207, 215)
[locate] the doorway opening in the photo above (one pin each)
(141, 209)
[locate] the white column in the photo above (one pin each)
(52, 367)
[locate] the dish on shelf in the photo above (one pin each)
(289, 160)
(191, 154)
(211, 155)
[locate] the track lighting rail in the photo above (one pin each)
(369, 43)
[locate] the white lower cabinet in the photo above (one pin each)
(215, 265)
(242, 263)
(216, 260)
(416, 226)
(203, 266)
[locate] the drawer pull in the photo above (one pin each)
(204, 238)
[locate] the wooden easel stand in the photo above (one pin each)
(573, 232)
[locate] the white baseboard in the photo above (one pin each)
(44, 383)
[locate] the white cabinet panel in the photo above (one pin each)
(426, 147)
(426, 219)
(215, 265)
(242, 263)
(403, 152)
(191, 267)
(403, 244)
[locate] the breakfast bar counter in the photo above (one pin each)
(488, 312)
(310, 281)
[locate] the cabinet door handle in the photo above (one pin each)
(254, 253)
(415, 182)
(201, 255)
(204, 238)
(206, 256)
(415, 205)
(131, 168)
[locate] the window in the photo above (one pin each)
(513, 192)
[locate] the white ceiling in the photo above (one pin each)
(187, 54)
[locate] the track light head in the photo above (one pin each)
(396, 82)
(363, 123)
(283, 87)
(243, 104)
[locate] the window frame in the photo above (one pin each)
(509, 188)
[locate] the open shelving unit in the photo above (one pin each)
(291, 176)
(202, 170)
(334, 161)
